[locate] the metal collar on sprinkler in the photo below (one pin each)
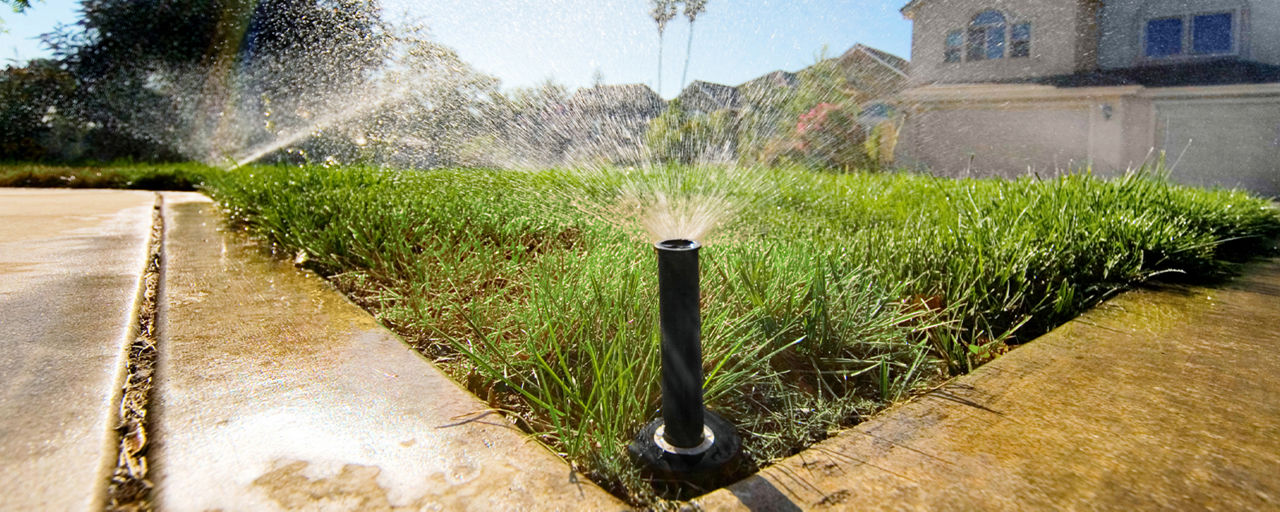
(688, 443)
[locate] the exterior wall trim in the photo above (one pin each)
(1214, 92)
(1001, 93)
(985, 95)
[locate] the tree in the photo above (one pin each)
(530, 125)
(692, 8)
(309, 48)
(679, 135)
(814, 121)
(177, 72)
(829, 136)
(18, 6)
(663, 12)
(32, 101)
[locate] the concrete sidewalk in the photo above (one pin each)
(70, 266)
(1165, 399)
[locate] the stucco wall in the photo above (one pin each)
(1124, 22)
(1010, 130)
(967, 142)
(1265, 28)
(1055, 34)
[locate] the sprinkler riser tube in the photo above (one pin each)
(689, 449)
(681, 326)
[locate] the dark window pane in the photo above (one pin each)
(876, 110)
(995, 43)
(952, 55)
(1020, 49)
(1020, 40)
(1164, 37)
(1211, 34)
(989, 18)
(977, 44)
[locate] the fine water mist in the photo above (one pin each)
(394, 97)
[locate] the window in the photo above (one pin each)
(1164, 37)
(986, 36)
(1020, 41)
(1202, 34)
(954, 41)
(1211, 34)
(877, 110)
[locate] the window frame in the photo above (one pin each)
(1188, 50)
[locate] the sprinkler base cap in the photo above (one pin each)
(704, 470)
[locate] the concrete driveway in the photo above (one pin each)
(70, 266)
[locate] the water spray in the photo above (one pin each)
(688, 443)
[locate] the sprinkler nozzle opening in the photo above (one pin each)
(677, 244)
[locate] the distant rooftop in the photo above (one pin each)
(709, 96)
(895, 62)
(778, 78)
(615, 95)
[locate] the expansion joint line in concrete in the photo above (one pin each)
(129, 488)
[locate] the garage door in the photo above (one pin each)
(1225, 143)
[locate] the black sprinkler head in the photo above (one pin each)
(688, 443)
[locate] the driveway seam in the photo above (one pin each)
(128, 487)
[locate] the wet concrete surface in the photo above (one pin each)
(275, 393)
(1162, 399)
(70, 266)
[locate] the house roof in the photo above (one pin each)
(778, 78)
(717, 95)
(893, 62)
(608, 96)
(1224, 72)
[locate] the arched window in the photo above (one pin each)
(986, 36)
(990, 35)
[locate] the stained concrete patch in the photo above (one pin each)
(1161, 399)
(275, 393)
(70, 265)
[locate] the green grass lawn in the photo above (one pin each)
(825, 296)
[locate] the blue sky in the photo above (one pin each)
(524, 42)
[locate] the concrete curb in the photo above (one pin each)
(1162, 399)
(276, 393)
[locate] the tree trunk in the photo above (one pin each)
(687, 52)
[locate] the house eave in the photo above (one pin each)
(984, 93)
(909, 11)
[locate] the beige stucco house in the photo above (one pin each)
(1007, 87)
